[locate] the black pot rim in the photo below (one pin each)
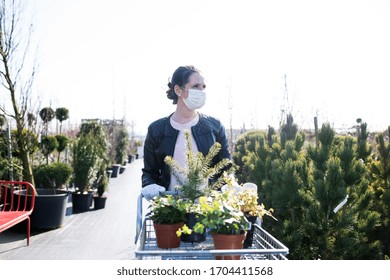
(58, 193)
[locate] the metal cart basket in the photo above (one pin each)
(265, 246)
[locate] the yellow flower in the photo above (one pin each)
(184, 229)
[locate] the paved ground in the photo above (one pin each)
(95, 235)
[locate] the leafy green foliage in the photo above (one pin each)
(89, 155)
(54, 175)
(219, 216)
(48, 145)
(168, 209)
(102, 181)
(122, 144)
(29, 144)
(62, 114)
(47, 114)
(63, 142)
(85, 161)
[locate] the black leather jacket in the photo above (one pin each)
(160, 142)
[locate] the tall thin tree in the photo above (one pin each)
(16, 74)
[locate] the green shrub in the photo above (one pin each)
(54, 175)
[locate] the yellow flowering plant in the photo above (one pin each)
(245, 199)
(219, 216)
(183, 230)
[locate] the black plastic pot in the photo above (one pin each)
(193, 237)
(122, 169)
(99, 202)
(115, 170)
(249, 234)
(49, 209)
(81, 202)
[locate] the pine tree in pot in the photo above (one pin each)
(198, 178)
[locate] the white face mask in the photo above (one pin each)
(196, 99)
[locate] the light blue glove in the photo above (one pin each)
(152, 190)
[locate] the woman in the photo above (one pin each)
(165, 136)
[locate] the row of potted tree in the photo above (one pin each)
(84, 172)
(18, 157)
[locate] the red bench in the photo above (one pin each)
(16, 204)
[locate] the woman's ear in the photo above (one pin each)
(177, 90)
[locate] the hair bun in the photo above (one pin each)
(170, 85)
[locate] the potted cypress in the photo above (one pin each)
(89, 153)
(121, 146)
(118, 147)
(100, 197)
(84, 165)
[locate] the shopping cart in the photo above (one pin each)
(264, 247)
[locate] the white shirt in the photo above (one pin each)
(179, 154)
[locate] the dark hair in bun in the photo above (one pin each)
(180, 77)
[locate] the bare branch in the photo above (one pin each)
(14, 53)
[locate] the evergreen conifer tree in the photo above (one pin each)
(339, 175)
(244, 147)
(380, 172)
(305, 186)
(288, 130)
(364, 150)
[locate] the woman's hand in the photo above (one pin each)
(152, 190)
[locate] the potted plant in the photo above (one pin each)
(100, 197)
(89, 154)
(122, 143)
(51, 201)
(227, 224)
(168, 216)
(119, 143)
(86, 160)
(245, 198)
(198, 178)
